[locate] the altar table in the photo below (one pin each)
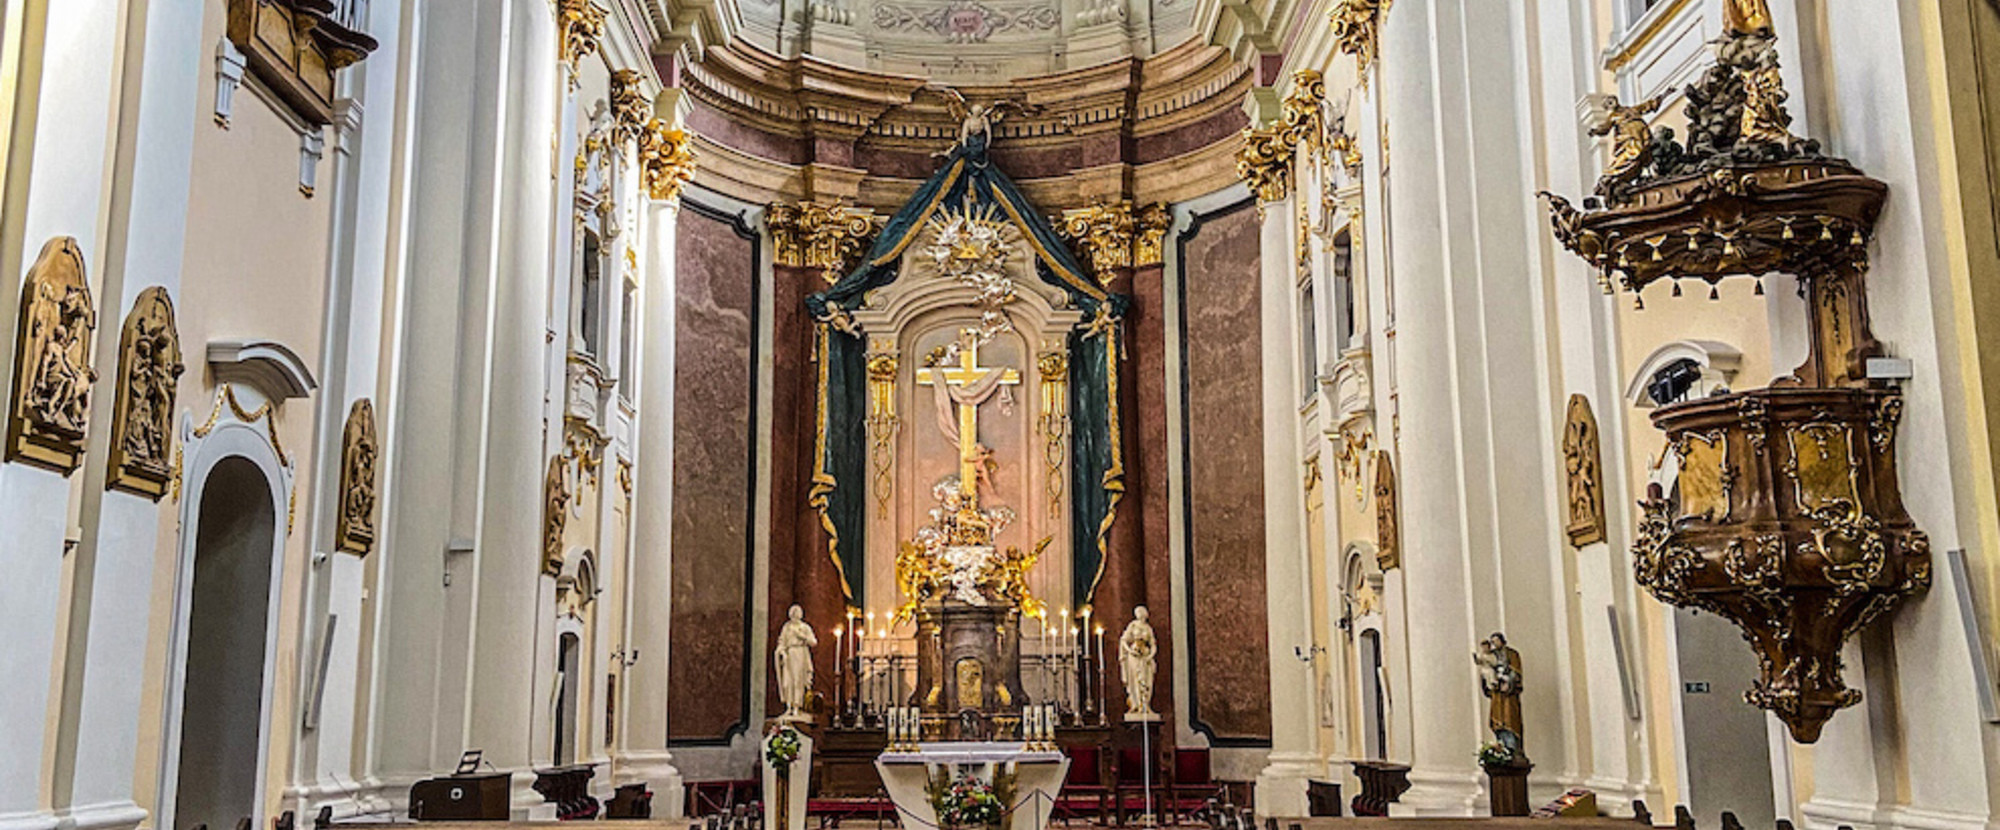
(1038, 778)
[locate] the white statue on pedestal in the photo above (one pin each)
(794, 664)
(1137, 650)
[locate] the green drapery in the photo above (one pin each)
(1096, 458)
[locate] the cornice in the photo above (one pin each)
(1092, 131)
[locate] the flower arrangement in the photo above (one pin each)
(1495, 754)
(782, 749)
(965, 802)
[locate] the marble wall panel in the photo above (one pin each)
(714, 419)
(1222, 435)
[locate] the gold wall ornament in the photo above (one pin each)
(555, 515)
(1581, 458)
(1303, 112)
(580, 25)
(1313, 475)
(1104, 231)
(1388, 519)
(1265, 162)
(52, 372)
(666, 159)
(1351, 459)
(1148, 248)
(630, 109)
(1357, 26)
(883, 423)
(829, 236)
(359, 453)
(1746, 17)
(149, 371)
(1052, 367)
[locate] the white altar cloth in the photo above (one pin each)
(1038, 778)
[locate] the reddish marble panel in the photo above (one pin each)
(1224, 441)
(714, 413)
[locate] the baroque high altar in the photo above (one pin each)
(967, 462)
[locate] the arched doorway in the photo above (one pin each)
(228, 615)
(567, 651)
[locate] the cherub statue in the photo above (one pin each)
(1631, 141)
(976, 121)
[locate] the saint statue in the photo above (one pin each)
(794, 659)
(1500, 680)
(1136, 652)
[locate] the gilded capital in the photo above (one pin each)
(828, 236)
(580, 25)
(1265, 161)
(630, 110)
(1357, 28)
(666, 159)
(1304, 111)
(1117, 235)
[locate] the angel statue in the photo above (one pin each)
(1631, 141)
(976, 121)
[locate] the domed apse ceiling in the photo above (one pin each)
(968, 40)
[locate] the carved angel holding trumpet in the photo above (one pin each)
(1631, 140)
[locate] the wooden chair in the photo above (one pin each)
(1084, 788)
(1132, 778)
(1192, 783)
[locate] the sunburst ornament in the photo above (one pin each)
(971, 245)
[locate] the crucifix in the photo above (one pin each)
(967, 373)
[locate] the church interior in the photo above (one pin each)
(982, 414)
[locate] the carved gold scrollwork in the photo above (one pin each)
(883, 424)
(829, 236)
(1117, 235)
(52, 372)
(666, 159)
(1265, 162)
(358, 453)
(630, 110)
(1053, 424)
(1304, 112)
(580, 25)
(555, 515)
(149, 371)
(1357, 28)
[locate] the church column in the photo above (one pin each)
(97, 740)
(327, 760)
(60, 122)
(1436, 706)
(508, 684)
(1606, 751)
(1294, 759)
(430, 476)
(642, 739)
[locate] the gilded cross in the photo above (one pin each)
(967, 372)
